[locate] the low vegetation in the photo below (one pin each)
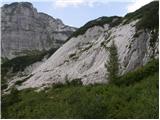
(138, 99)
(148, 15)
(19, 82)
(11, 67)
(20, 63)
(3, 60)
(140, 73)
(97, 22)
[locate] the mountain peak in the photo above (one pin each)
(20, 20)
(84, 55)
(15, 4)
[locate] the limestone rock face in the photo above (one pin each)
(84, 57)
(25, 30)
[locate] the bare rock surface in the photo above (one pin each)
(84, 57)
(25, 30)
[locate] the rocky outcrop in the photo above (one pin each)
(84, 56)
(25, 30)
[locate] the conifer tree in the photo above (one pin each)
(112, 64)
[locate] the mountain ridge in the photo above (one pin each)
(20, 20)
(83, 56)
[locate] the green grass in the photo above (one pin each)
(135, 100)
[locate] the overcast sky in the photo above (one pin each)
(78, 12)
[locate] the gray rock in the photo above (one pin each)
(25, 30)
(83, 57)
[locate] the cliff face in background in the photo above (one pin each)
(85, 54)
(24, 30)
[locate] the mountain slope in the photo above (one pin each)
(28, 39)
(24, 30)
(136, 100)
(85, 54)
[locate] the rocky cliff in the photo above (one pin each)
(84, 56)
(24, 30)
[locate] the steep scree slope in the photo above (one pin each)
(84, 56)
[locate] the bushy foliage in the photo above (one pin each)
(112, 64)
(4, 86)
(11, 99)
(3, 60)
(10, 67)
(19, 82)
(74, 82)
(51, 51)
(97, 22)
(20, 63)
(154, 37)
(150, 18)
(148, 15)
(138, 100)
(139, 73)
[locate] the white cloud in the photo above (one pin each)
(62, 3)
(137, 4)
(76, 3)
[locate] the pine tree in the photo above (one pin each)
(112, 64)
